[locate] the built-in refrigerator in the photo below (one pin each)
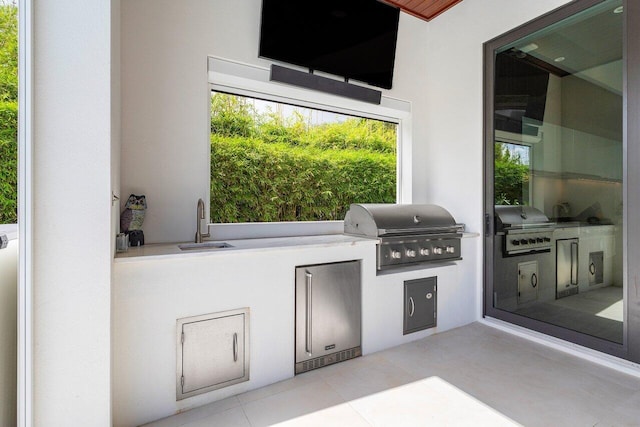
(328, 314)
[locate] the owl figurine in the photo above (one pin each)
(132, 218)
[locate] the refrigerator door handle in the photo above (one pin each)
(307, 341)
(574, 263)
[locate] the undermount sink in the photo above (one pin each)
(204, 246)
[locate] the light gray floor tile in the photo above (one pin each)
(371, 375)
(231, 418)
(292, 404)
(473, 375)
(338, 415)
(431, 401)
(279, 387)
(197, 413)
(623, 413)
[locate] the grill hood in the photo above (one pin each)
(379, 220)
(520, 217)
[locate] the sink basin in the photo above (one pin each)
(204, 246)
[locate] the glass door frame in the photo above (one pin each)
(25, 208)
(630, 349)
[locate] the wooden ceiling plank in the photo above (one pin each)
(436, 7)
(424, 9)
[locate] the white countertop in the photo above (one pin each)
(171, 250)
(10, 230)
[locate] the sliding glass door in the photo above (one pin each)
(556, 149)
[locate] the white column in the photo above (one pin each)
(72, 213)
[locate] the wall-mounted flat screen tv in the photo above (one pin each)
(355, 39)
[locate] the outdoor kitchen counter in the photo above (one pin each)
(155, 285)
(171, 250)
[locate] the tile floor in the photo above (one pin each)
(471, 376)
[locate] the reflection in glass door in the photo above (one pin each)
(556, 140)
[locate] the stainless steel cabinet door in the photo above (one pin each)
(328, 313)
(420, 304)
(527, 281)
(211, 352)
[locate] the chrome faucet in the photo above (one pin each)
(199, 218)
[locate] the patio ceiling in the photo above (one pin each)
(423, 9)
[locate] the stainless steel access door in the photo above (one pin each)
(566, 267)
(328, 309)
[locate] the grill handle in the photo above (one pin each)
(458, 228)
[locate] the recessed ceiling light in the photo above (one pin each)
(528, 48)
(559, 59)
(618, 9)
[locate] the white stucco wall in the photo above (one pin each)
(116, 118)
(71, 258)
(165, 99)
(453, 123)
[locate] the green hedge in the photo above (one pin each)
(8, 113)
(511, 177)
(8, 162)
(255, 181)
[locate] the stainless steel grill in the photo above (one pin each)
(525, 228)
(407, 234)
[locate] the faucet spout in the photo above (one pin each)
(199, 218)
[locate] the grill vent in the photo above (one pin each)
(329, 359)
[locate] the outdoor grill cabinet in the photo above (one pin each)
(212, 352)
(420, 302)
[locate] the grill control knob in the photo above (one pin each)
(451, 249)
(515, 242)
(532, 240)
(546, 239)
(524, 241)
(539, 240)
(411, 253)
(424, 251)
(396, 255)
(437, 251)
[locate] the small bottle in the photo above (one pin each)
(122, 242)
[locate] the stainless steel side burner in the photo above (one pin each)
(408, 234)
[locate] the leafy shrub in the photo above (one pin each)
(8, 162)
(232, 116)
(274, 167)
(253, 181)
(8, 113)
(511, 178)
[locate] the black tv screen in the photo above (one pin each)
(355, 39)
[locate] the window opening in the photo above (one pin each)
(272, 161)
(513, 174)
